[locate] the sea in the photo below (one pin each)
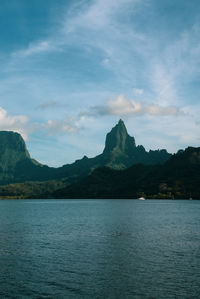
(100, 249)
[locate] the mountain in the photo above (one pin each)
(16, 165)
(120, 152)
(177, 178)
(12, 150)
(123, 170)
(118, 140)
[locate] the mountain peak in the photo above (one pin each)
(12, 149)
(12, 141)
(121, 126)
(120, 122)
(119, 140)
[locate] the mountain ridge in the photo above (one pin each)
(122, 170)
(120, 152)
(178, 178)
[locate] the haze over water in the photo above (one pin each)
(99, 249)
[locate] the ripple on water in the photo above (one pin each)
(99, 249)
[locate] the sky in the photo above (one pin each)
(71, 69)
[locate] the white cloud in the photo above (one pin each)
(103, 27)
(96, 16)
(175, 66)
(24, 126)
(16, 123)
(68, 125)
(37, 48)
(163, 84)
(124, 107)
(138, 91)
(133, 57)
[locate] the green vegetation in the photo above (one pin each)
(120, 152)
(178, 178)
(123, 170)
(31, 189)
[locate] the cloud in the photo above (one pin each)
(125, 57)
(96, 16)
(68, 125)
(16, 123)
(138, 91)
(36, 48)
(124, 107)
(24, 126)
(176, 66)
(163, 84)
(47, 105)
(52, 105)
(95, 27)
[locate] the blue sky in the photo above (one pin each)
(71, 69)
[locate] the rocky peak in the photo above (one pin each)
(119, 140)
(12, 140)
(12, 149)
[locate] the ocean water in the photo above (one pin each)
(99, 249)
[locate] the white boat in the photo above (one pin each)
(141, 198)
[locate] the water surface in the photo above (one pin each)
(99, 249)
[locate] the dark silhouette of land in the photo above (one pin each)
(122, 170)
